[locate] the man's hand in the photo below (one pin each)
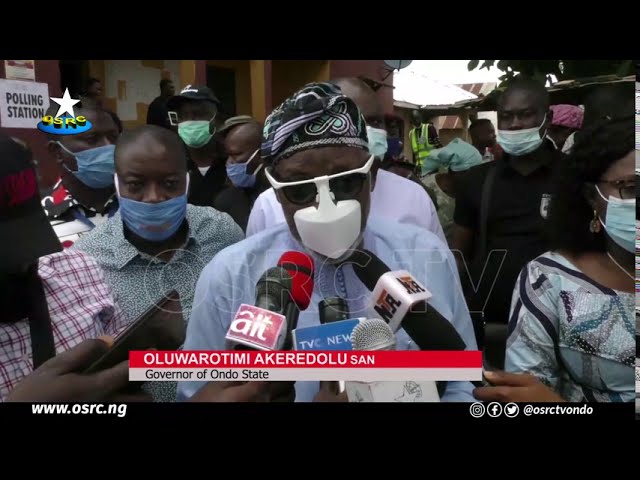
(233, 392)
(246, 392)
(515, 387)
(58, 380)
(330, 392)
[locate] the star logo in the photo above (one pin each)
(66, 104)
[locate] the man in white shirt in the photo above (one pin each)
(393, 196)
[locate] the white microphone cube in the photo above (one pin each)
(257, 328)
(394, 295)
(392, 392)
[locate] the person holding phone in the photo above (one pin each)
(156, 242)
(60, 380)
(52, 299)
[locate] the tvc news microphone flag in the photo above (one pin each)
(352, 366)
(330, 336)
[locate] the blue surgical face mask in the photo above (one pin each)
(155, 222)
(621, 221)
(237, 173)
(96, 166)
(377, 142)
(521, 142)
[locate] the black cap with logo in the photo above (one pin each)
(194, 93)
(25, 233)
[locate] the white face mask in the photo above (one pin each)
(521, 142)
(332, 228)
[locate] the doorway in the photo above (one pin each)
(223, 83)
(74, 75)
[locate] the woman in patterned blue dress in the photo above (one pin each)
(572, 325)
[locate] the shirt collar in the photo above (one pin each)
(547, 160)
(124, 252)
(59, 201)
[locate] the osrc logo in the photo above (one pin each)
(65, 122)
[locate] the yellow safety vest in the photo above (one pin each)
(420, 143)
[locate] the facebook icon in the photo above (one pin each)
(494, 409)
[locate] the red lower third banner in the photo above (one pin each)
(348, 366)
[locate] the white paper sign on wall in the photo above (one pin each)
(22, 104)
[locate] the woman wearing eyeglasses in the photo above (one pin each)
(316, 155)
(572, 325)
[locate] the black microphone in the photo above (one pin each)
(267, 324)
(333, 309)
(394, 300)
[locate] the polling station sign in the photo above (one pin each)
(22, 104)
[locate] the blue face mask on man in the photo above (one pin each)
(377, 142)
(96, 166)
(521, 142)
(237, 173)
(155, 222)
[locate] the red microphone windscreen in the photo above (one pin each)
(300, 267)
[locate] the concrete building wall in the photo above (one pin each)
(47, 71)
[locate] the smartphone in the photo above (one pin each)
(486, 368)
(161, 326)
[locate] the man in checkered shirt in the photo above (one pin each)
(52, 299)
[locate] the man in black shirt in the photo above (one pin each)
(158, 113)
(516, 190)
(194, 111)
(242, 137)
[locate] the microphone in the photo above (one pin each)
(333, 309)
(376, 335)
(373, 335)
(330, 336)
(401, 301)
(265, 325)
(301, 269)
(333, 333)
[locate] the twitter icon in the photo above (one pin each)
(511, 410)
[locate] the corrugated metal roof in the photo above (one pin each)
(479, 89)
(420, 90)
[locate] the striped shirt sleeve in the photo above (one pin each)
(533, 327)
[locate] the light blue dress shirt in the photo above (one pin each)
(231, 277)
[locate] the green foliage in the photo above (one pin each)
(561, 69)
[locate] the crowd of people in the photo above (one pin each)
(525, 236)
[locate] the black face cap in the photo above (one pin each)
(25, 231)
(194, 93)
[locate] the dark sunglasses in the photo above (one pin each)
(344, 186)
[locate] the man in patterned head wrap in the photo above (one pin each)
(315, 150)
(400, 199)
(316, 133)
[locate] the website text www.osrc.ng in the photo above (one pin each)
(119, 410)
